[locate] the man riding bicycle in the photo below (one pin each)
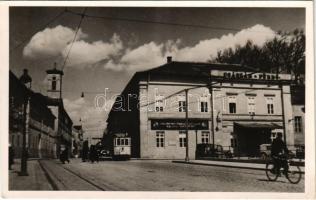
(278, 154)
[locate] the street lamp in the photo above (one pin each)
(27, 81)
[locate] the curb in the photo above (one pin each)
(219, 165)
(48, 176)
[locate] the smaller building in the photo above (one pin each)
(298, 120)
(77, 141)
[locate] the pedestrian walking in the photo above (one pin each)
(11, 157)
(64, 156)
(85, 151)
(93, 154)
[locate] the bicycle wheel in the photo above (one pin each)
(294, 174)
(271, 172)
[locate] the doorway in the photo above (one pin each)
(249, 139)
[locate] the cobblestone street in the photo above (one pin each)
(149, 175)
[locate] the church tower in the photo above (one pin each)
(54, 80)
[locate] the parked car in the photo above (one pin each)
(265, 152)
(210, 150)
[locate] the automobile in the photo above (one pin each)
(265, 152)
(210, 150)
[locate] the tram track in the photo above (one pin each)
(56, 180)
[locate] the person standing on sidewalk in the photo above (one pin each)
(11, 157)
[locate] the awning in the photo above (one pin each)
(270, 125)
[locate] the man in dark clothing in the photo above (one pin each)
(11, 157)
(93, 154)
(85, 151)
(64, 156)
(279, 152)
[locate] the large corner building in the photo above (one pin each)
(228, 105)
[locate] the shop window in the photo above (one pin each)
(251, 105)
(204, 106)
(232, 104)
(205, 137)
(182, 139)
(270, 105)
(160, 139)
(298, 124)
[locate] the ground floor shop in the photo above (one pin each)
(167, 138)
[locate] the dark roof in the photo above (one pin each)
(54, 71)
(19, 89)
(196, 68)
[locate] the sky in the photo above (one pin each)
(107, 52)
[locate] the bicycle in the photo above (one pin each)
(293, 174)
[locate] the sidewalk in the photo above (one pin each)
(240, 165)
(36, 180)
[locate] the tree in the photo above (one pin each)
(285, 53)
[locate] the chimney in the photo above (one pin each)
(25, 78)
(169, 59)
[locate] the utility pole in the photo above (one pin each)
(212, 110)
(27, 81)
(187, 125)
(283, 117)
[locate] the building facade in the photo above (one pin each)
(38, 121)
(63, 123)
(228, 105)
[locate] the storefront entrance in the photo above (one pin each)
(250, 137)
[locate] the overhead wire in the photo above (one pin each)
(159, 22)
(74, 39)
(39, 29)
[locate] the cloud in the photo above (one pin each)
(113, 55)
(50, 42)
(152, 54)
(85, 54)
(92, 118)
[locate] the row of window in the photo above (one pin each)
(232, 105)
(160, 138)
(251, 104)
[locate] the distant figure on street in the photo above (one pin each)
(64, 156)
(11, 157)
(85, 151)
(93, 154)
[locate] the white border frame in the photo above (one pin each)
(309, 117)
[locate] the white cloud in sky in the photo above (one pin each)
(85, 54)
(152, 55)
(117, 57)
(50, 42)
